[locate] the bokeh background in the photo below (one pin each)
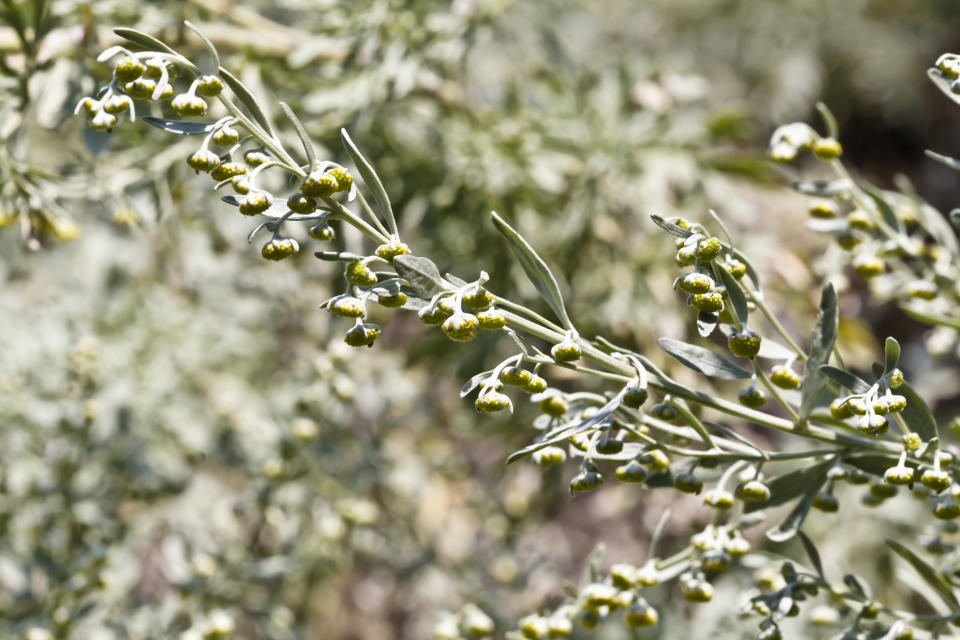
(187, 441)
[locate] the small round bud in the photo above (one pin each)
(255, 157)
(477, 298)
(735, 268)
(752, 397)
(868, 266)
(566, 351)
(826, 502)
(492, 401)
(827, 148)
(585, 481)
(359, 274)
(665, 411)
(783, 151)
(394, 301)
(898, 475)
(744, 344)
(946, 509)
(912, 441)
(598, 595)
(240, 184)
(460, 327)
(634, 397)
(299, 203)
(362, 335)
(752, 491)
(737, 546)
(279, 248)
(891, 404)
(117, 104)
(255, 202)
(102, 121)
(631, 472)
(322, 231)
(685, 256)
(226, 136)
(209, 85)
(711, 302)
(392, 249)
(695, 283)
(708, 249)
(609, 446)
(936, 480)
(515, 376)
(641, 615)
(715, 560)
(89, 106)
(688, 483)
(492, 320)
(719, 499)
(227, 170)
(549, 456)
(318, 185)
(840, 410)
(923, 290)
(895, 378)
(189, 105)
(128, 70)
(141, 88)
(536, 385)
(343, 178)
(554, 405)
(347, 307)
(860, 219)
(696, 591)
(874, 425)
(559, 627)
(784, 377)
(882, 489)
(823, 208)
(623, 575)
(656, 459)
(432, 315)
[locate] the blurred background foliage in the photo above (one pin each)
(188, 445)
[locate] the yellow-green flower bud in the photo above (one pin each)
(549, 456)
(343, 178)
(708, 249)
(279, 248)
(536, 385)
(823, 208)
(392, 249)
(688, 483)
(936, 480)
(362, 335)
(784, 377)
(641, 615)
(299, 203)
(226, 136)
(209, 85)
(255, 202)
(898, 475)
(227, 170)
(322, 231)
(189, 105)
(827, 148)
(711, 302)
(631, 472)
(826, 502)
(553, 405)
(492, 401)
(744, 344)
(128, 70)
(634, 397)
(491, 319)
(359, 274)
(460, 327)
(318, 185)
(752, 491)
(586, 481)
(566, 351)
(695, 283)
(752, 397)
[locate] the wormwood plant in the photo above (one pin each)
(645, 429)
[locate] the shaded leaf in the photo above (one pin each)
(671, 228)
(822, 339)
(917, 414)
(144, 40)
(891, 354)
(751, 272)
(886, 211)
(421, 273)
(180, 126)
(785, 488)
(791, 524)
(703, 360)
(854, 585)
(474, 382)
(706, 323)
(845, 378)
(812, 553)
(953, 163)
(932, 577)
(302, 133)
(206, 41)
(874, 464)
(734, 292)
(371, 179)
(246, 98)
(535, 268)
(943, 84)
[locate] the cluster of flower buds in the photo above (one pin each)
(791, 139)
(869, 410)
(470, 622)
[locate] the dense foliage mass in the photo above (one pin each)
(193, 451)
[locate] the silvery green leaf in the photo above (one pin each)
(109, 52)
(474, 382)
(702, 360)
(917, 414)
(181, 126)
(821, 344)
(891, 354)
(144, 40)
(933, 577)
(953, 163)
(414, 302)
(886, 211)
(246, 98)
(535, 268)
(822, 188)
(454, 280)
(671, 228)
(421, 273)
(372, 181)
(943, 84)
(592, 570)
(770, 349)
(302, 133)
(855, 585)
(337, 256)
(826, 225)
(829, 120)
(791, 524)
(845, 378)
(734, 292)
(706, 323)
(788, 486)
(812, 553)
(874, 464)
(206, 41)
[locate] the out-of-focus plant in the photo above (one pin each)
(838, 423)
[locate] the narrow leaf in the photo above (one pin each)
(702, 360)
(592, 570)
(535, 268)
(249, 101)
(706, 323)
(474, 382)
(874, 464)
(822, 188)
(144, 40)
(845, 378)
(304, 138)
(854, 585)
(421, 273)
(891, 354)
(917, 414)
(180, 126)
(751, 271)
(371, 179)
(886, 211)
(829, 120)
(734, 292)
(932, 577)
(785, 488)
(671, 228)
(206, 41)
(812, 553)
(791, 524)
(821, 344)
(953, 163)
